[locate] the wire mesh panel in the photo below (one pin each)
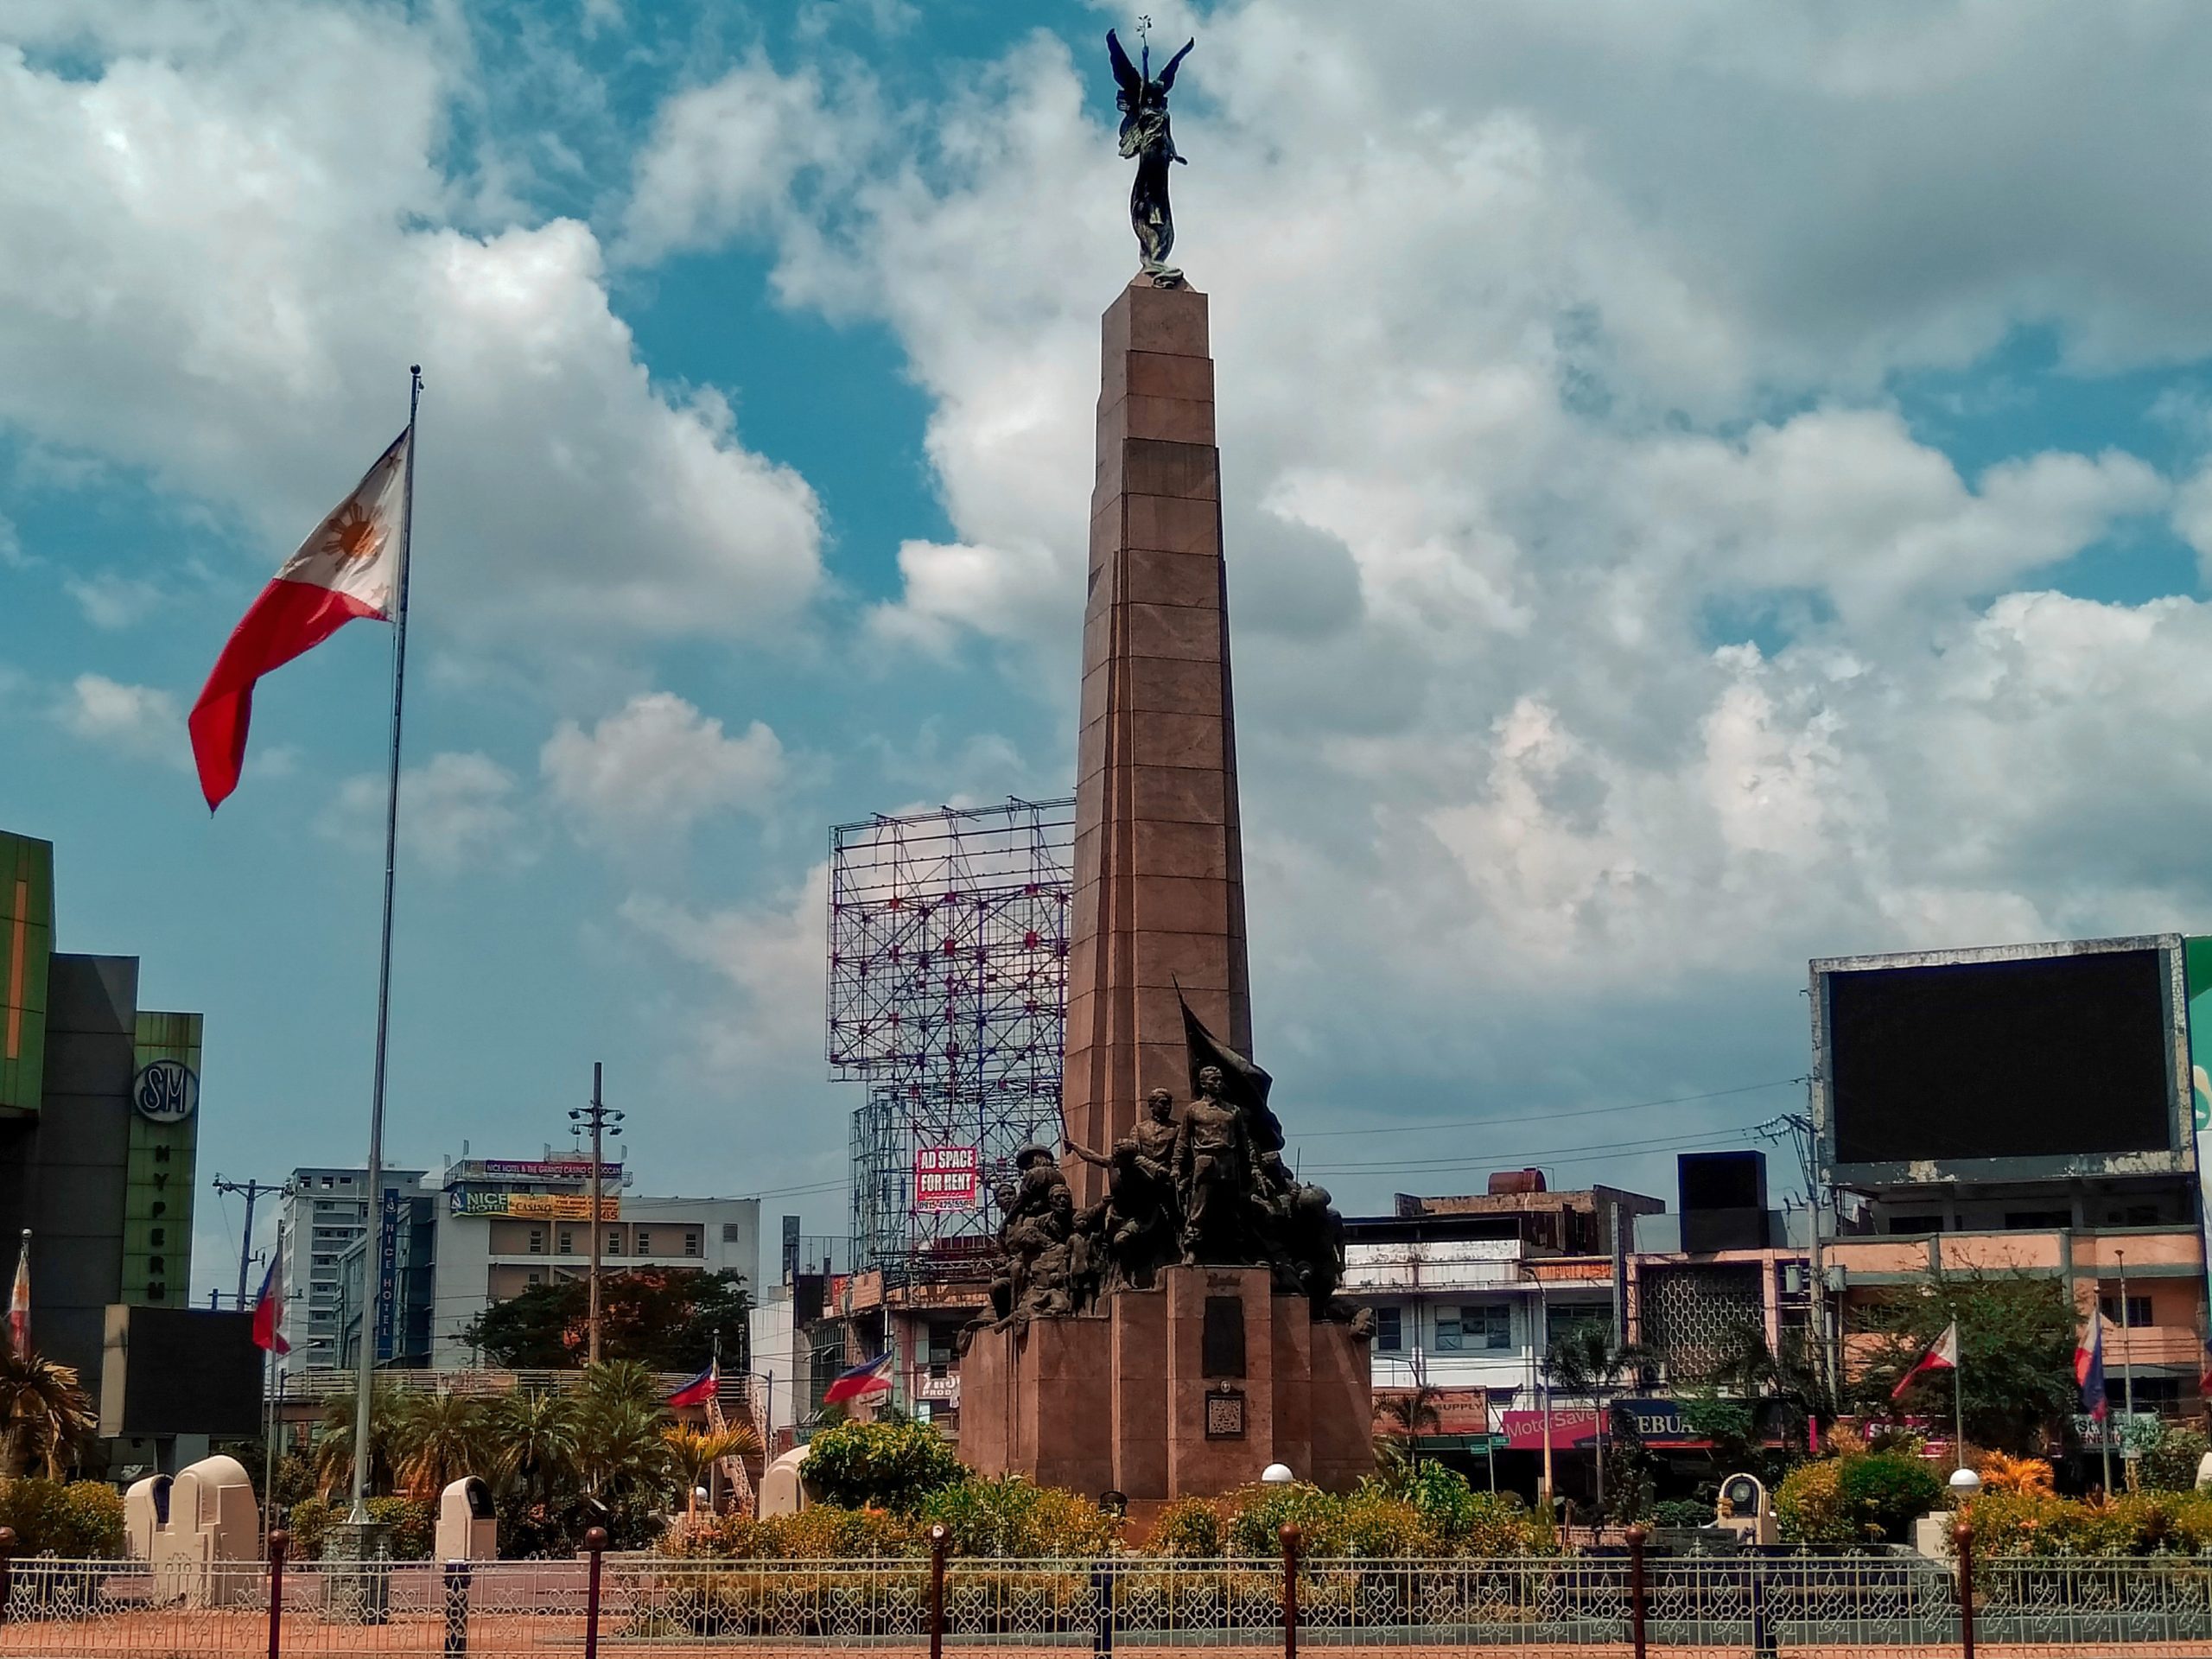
(947, 997)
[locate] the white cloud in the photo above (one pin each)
(1554, 354)
(457, 812)
(239, 233)
(111, 600)
(651, 769)
(141, 720)
(763, 1028)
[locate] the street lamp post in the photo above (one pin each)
(596, 1117)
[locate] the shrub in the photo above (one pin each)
(2168, 1464)
(891, 1466)
(1445, 1501)
(1190, 1529)
(1809, 1505)
(820, 1532)
(1013, 1516)
(78, 1520)
(1884, 1492)
(1688, 1512)
(2002, 1473)
(1258, 1514)
(1503, 1525)
(412, 1524)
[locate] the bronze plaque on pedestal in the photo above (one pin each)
(1225, 1415)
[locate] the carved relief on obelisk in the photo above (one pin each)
(1158, 863)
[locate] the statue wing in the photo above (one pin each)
(1125, 73)
(1167, 75)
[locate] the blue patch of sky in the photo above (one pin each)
(2022, 400)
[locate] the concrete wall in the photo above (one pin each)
(69, 1174)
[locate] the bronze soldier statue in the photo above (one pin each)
(1213, 1165)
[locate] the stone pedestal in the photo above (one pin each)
(356, 1573)
(1159, 860)
(1192, 1388)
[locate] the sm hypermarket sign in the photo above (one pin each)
(946, 1177)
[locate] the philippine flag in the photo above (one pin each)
(269, 1309)
(2089, 1368)
(701, 1388)
(1944, 1356)
(870, 1378)
(349, 568)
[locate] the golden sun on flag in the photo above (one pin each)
(354, 534)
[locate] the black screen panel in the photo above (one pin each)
(2051, 1057)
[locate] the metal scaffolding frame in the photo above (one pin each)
(947, 997)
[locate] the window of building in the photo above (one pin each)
(732, 1233)
(2138, 1311)
(645, 1242)
(2036, 1221)
(535, 1278)
(1916, 1223)
(1386, 1334)
(326, 1181)
(1564, 1316)
(1488, 1327)
(537, 1241)
(691, 1241)
(614, 1242)
(565, 1241)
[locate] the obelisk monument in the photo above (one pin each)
(1171, 1325)
(1159, 865)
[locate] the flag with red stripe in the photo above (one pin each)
(1944, 1356)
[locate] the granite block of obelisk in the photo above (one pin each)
(1159, 900)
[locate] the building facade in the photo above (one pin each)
(99, 1125)
(502, 1226)
(325, 1213)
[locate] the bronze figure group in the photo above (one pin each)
(1210, 1187)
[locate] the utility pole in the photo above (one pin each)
(2127, 1451)
(597, 1117)
(251, 1191)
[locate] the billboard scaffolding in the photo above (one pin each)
(947, 997)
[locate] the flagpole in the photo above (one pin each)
(269, 1390)
(365, 1370)
(1958, 1411)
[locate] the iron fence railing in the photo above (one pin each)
(1619, 1603)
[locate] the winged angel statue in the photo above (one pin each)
(1143, 104)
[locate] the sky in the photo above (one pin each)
(1706, 486)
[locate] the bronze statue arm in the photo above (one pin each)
(1096, 1159)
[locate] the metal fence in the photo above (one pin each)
(639, 1607)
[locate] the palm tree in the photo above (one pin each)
(333, 1443)
(693, 1451)
(45, 1417)
(1784, 1386)
(1407, 1413)
(535, 1435)
(1584, 1360)
(619, 1450)
(440, 1438)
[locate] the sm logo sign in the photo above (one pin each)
(166, 1091)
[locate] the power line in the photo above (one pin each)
(1547, 1117)
(1492, 1160)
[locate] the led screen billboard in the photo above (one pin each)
(2060, 1055)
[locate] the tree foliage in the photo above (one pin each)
(46, 1418)
(667, 1319)
(2015, 1354)
(882, 1466)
